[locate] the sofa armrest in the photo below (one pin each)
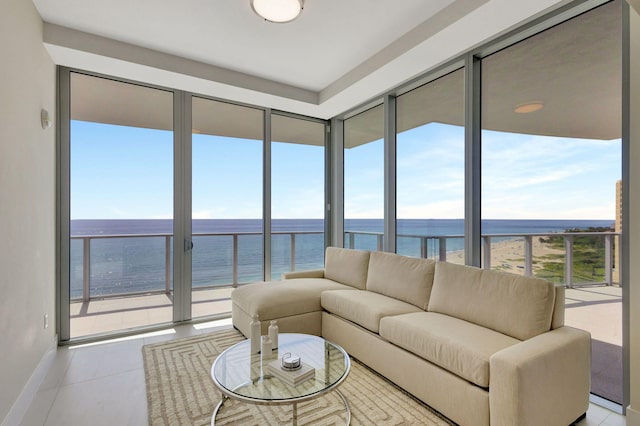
(542, 380)
(314, 273)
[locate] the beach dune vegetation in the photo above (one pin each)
(588, 257)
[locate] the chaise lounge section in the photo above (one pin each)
(482, 347)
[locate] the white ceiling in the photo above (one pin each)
(226, 33)
(336, 55)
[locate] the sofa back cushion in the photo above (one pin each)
(520, 307)
(347, 266)
(408, 279)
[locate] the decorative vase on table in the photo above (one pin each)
(273, 334)
(255, 335)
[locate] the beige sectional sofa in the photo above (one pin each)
(482, 347)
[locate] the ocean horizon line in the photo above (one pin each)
(312, 218)
(428, 227)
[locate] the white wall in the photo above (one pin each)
(27, 199)
(633, 411)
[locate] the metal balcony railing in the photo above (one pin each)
(86, 255)
(440, 242)
(438, 251)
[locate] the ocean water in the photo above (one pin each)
(135, 261)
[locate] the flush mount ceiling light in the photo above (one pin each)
(279, 11)
(528, 107)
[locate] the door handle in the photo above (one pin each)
(188, 245)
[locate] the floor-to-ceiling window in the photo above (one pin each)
(121, 205)
(134, 186)
(297, 194)
(430, 170)
(227, 227)
(551, 162)
(364, 180)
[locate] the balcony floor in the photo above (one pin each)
(599, 311)
(122, 313)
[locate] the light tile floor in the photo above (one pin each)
(103, 383)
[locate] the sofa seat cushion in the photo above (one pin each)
(456, 345)
(520, 307)
(277, 299)
(364, 308)
(404, 278)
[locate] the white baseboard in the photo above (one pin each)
(605, 403)
(633, 417)
(21, 405)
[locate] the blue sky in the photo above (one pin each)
(549, 177)
(126, 173)
(122, 172)
(523, 176)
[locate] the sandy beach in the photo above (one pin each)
(509, 255)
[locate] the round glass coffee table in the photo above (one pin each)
(247, 378)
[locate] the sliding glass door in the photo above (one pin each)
(364, 180)
(297, 194)
(121, 206)
(227, 225)
(430, 170)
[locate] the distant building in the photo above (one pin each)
(618, 229)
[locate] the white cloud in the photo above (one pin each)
(528, 177)
(163, 216)
(364, 206)
(202, 214)
(449, 209)
(119, 213)
(303, 203)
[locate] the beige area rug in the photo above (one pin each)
(180, 391)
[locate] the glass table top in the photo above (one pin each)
(243, 376)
